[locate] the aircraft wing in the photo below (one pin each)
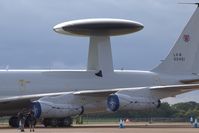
(158, 91)
(189, 81)
(98, 93)
(102, 93)
(105, 92)
(13, 104)
(173, 90)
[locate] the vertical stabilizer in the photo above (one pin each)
(184, 56)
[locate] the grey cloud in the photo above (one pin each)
(26, 30)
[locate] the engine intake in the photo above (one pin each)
(113, 102)
(52, 110)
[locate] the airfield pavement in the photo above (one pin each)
(106, 130)
(113, 128)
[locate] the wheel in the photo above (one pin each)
(50, 122)
(54, 122)
(67, 122)
(46, 122)
(14, 122)
(63, 122)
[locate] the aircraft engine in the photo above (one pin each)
(53, 110)
(119, 102)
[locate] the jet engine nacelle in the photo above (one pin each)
(45, 109)
(118, 102)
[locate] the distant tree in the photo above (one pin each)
(186, 109)
(180, 110)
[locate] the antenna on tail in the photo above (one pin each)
(99, 31)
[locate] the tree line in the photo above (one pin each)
(179, 110)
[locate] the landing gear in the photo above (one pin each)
(61, 122)
(48, 122)
(14, 122)
(66, 122)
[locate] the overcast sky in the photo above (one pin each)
(27, 39)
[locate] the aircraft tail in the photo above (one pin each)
(184, 56)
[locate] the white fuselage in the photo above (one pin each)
(27, 82)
